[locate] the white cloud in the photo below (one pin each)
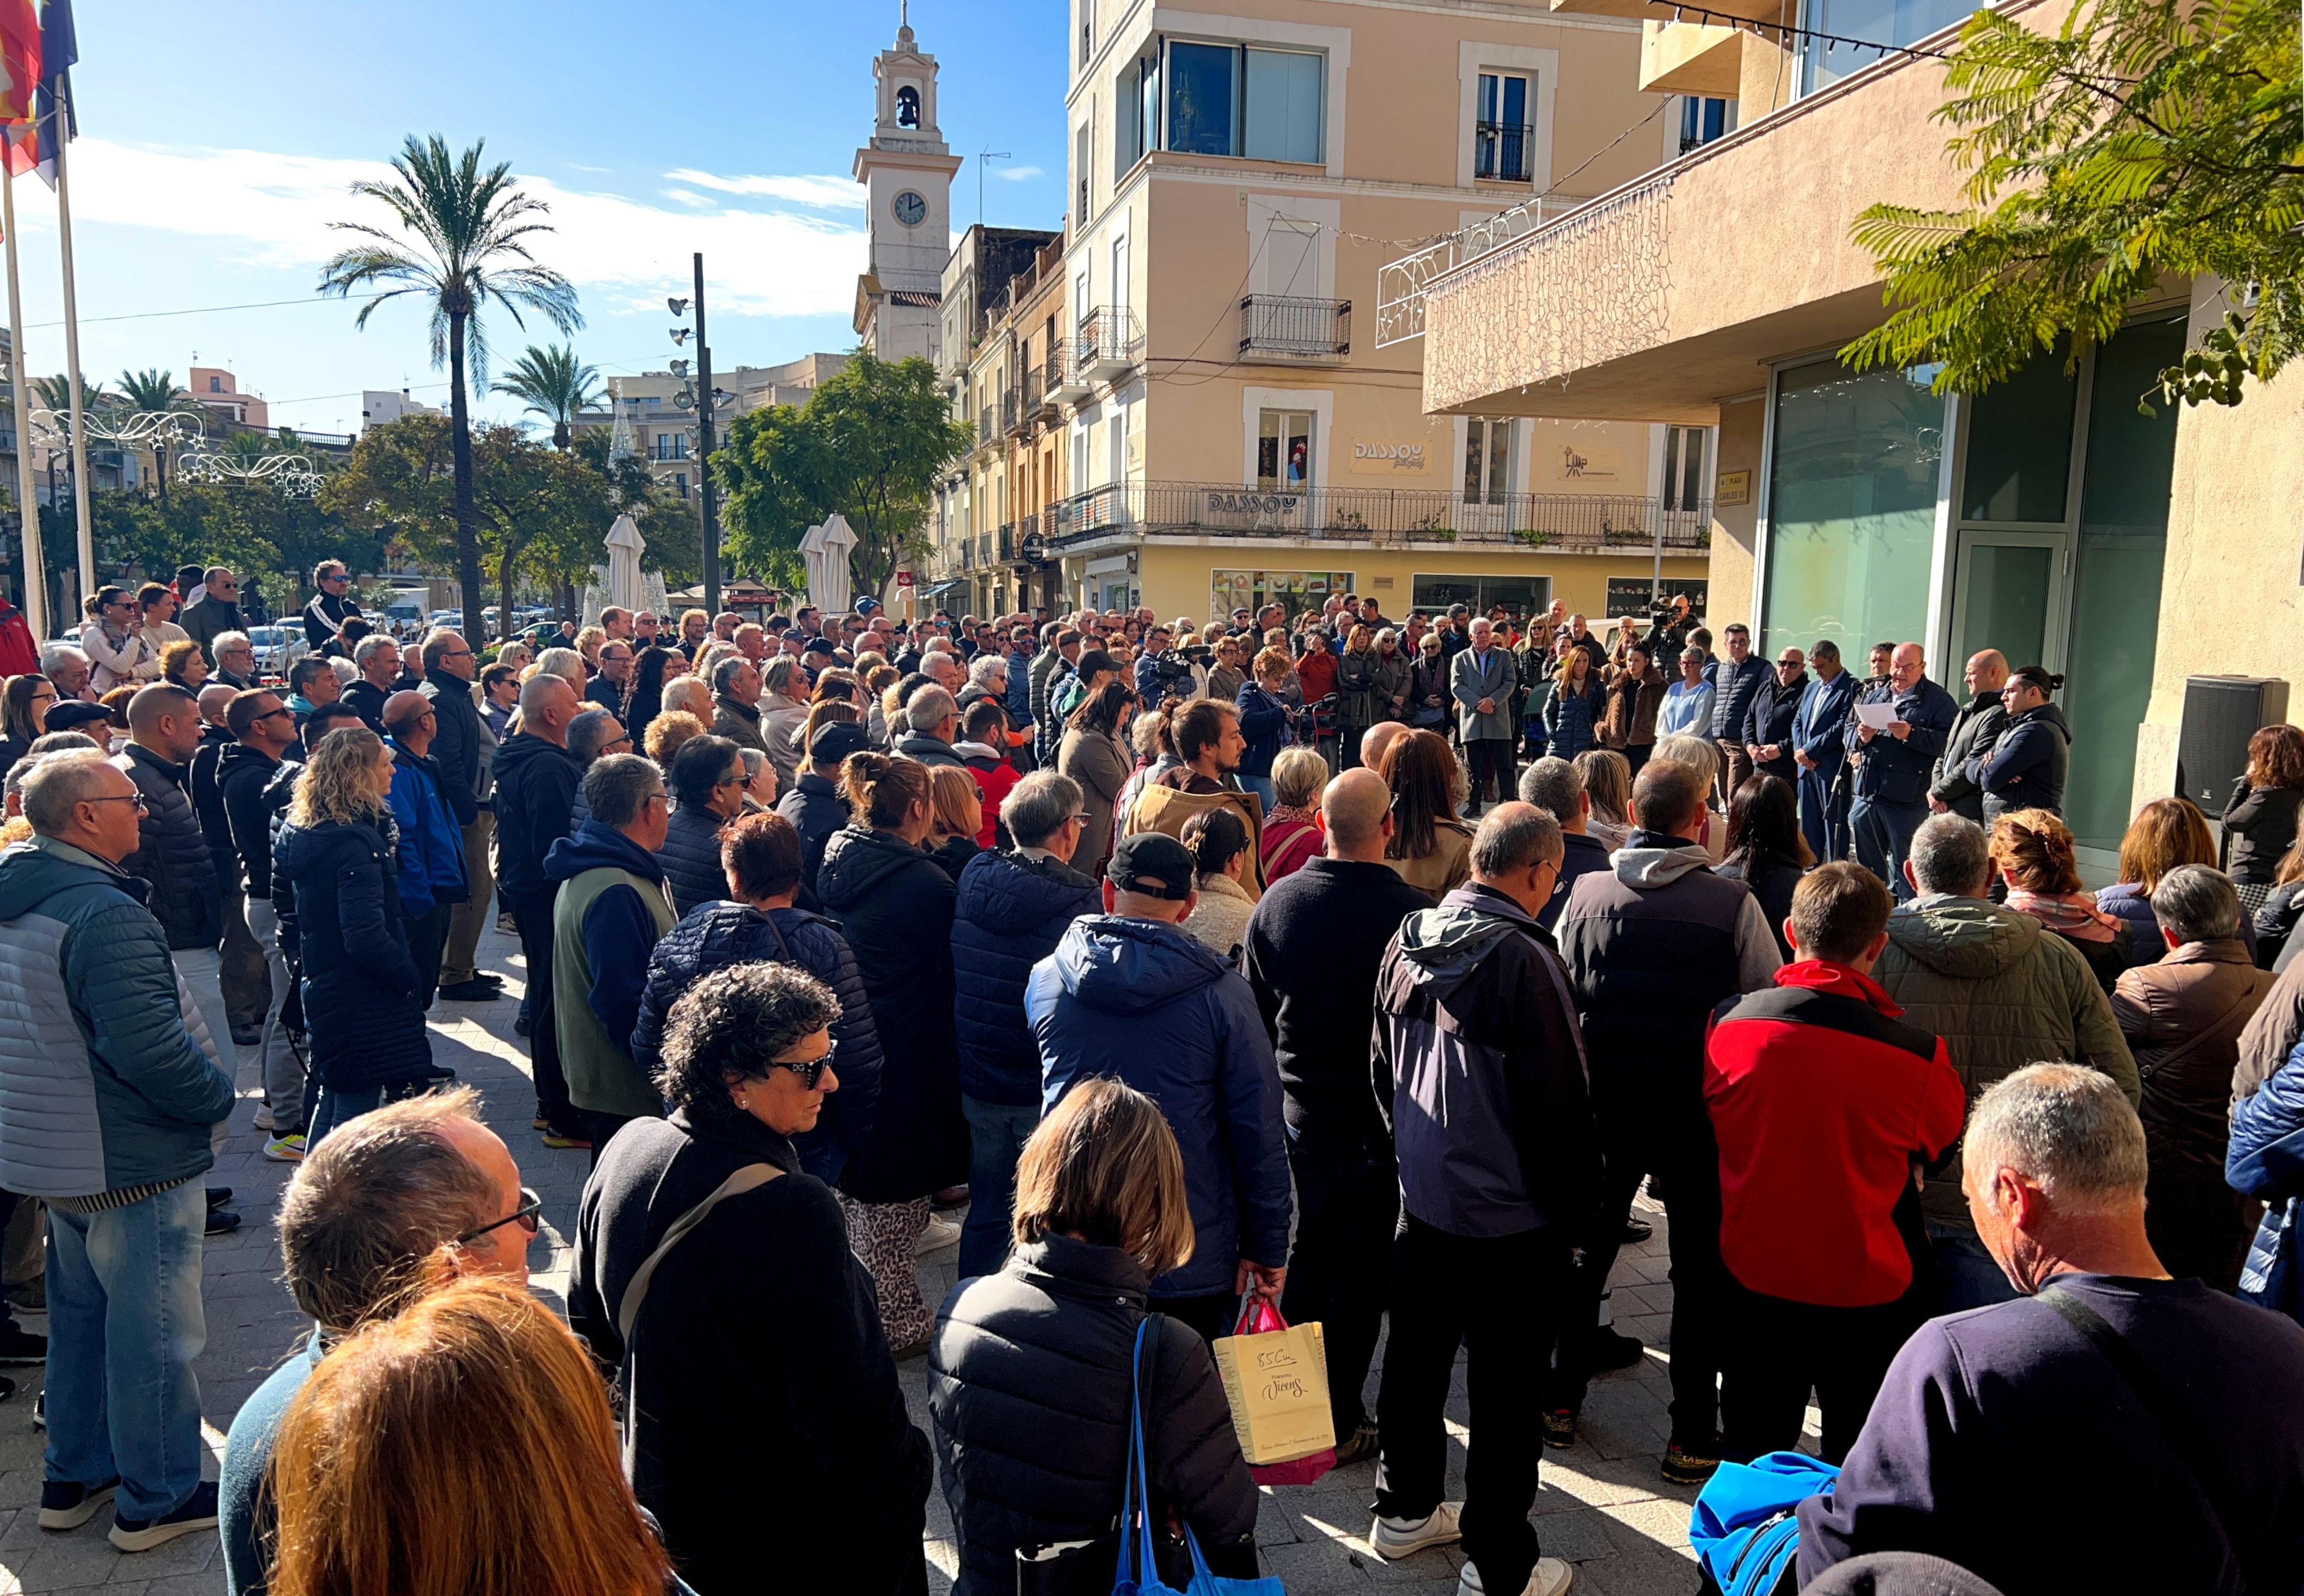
(1016, 174)
(824, 192)
(684, 197)
(272, 209)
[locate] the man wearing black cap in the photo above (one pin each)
(1127, 995)
(813, 803)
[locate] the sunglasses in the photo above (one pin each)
(810, 1070)
(524, 1216)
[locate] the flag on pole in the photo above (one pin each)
(19, 59)
(59, 51)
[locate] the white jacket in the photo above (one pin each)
(136, 660)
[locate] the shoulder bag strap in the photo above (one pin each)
(2191, 1450)
(750, 1178)
(2204, 1035)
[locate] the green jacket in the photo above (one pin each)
(2003, 991)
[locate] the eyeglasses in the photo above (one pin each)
(270, 714)
(524, 1216)
(136, 799)
(810, 1070)
(455, 654)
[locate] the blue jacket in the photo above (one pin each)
(1896, 773)
(431, 851)
(2264, 1160)
(1686, 709)
(2026, 768)
(619, 931)
(1018, 704)
(1143, 1003)
(1571, 719)
(1820, 724)
(1011, 913)
(361, 984)
(102, 1086)
(718, 933)
(1264, 723)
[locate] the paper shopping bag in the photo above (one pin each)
(1276, 1376)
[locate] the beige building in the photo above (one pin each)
(217, 392)
(906, 169)
(2047, 517)
(646, 408)
(1233, 428)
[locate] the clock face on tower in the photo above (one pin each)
(911, 209)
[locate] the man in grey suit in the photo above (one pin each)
(1481, 680)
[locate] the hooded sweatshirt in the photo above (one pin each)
(1142, 1002)
(1479, 1068)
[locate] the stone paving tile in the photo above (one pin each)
(1601, 1505)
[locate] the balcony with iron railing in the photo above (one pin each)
(1502, 151)
(1107, 344)
(1276, 327)
(1572, 523)
(1061, 381)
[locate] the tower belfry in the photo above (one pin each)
(907, 170)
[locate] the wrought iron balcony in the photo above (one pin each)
(1276, 328)
(1575, 523)
(1107, 344)
(1062, 382)
(1501, 150)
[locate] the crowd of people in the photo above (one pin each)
(1372, 970)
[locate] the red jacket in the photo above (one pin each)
(993, 778)
(20, 654)
(1820, 1098)
(1315, 673)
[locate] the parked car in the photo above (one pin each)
(277, 648)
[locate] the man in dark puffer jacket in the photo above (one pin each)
(1013, 909)
(707, 780)
(762, 854)
(172, 855)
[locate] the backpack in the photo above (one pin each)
(1745, 1527)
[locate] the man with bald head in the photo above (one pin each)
(1894, 765)
(1313, 946)
(537, 778)
(1974, 730)
(431, 852)
(1376, 738)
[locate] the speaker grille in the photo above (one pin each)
(2220, 713)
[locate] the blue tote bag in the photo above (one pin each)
(1138, 1574)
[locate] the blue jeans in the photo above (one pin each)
(1971, 1279)
(1262, 787)
(332, 1108)
(124, 1324)
(1882, 834)
(997, 1135)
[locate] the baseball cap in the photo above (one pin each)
(1152, 863)
(834, 742)
(819, 645)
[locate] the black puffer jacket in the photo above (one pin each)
(457, 743)
(815, 809)
(1029, 1387)
(536, 800)
(242, 776)
(207, 803)
(717, 934)
(689, 857)
(173, 853)
(360, 985)
(896, 905)
(1011, 911)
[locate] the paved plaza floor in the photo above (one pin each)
(1602, 1504)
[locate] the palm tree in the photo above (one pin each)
(556, 386)
(473, 230)
(156, 392)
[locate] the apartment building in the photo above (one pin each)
(657, 426)
(2047, 517)
(1233, 430)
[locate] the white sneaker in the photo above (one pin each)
(1549, 1577)
(940, 1234)
(285, 1149)
(1397, 1538)
(263, 1120)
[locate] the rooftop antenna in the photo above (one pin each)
(982, 157)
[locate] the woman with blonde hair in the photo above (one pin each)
(1356, 669)
(670, 733)
(335, 874)
(958, 817)
(1034, 1371)
(2166, 832)
(589, 641)
(1608, 783)
(393, 1466)
(1292, 835)
(1430, 847)
(2032, 853)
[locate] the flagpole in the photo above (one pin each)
(36, 571)
(63, 113)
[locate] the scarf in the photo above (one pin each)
(2070, 914)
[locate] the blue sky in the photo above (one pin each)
(216, 142)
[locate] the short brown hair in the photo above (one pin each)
(2166, 832)
(371, 1206)
(1104, 1165)
(761, 855)
(1837, 910)
(395, 1463)
(2035, 848)
(1666, 796)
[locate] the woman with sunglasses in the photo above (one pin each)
(24, 717)
(757, 1334)
(115, 640)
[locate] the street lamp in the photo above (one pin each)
(686, 400)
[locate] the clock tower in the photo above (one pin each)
(907, 171)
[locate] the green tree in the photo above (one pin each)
(474, 231)
(553, 384)
(2144, 139)
(869, 445)
(155, 391)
